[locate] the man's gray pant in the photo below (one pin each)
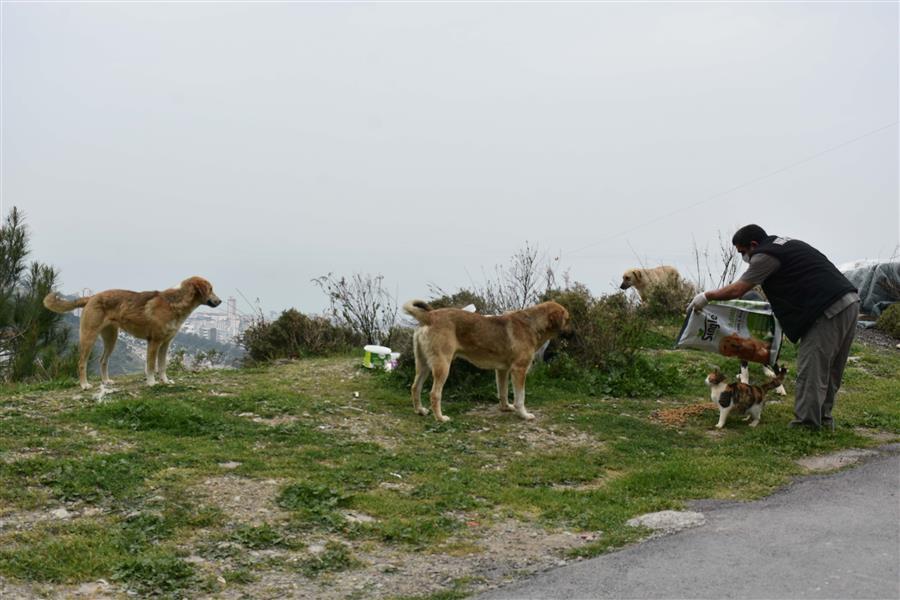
(821, 357)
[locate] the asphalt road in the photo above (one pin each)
(828, 536)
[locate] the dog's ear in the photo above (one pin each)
(557, 317)
(201, 287)
(638, 275)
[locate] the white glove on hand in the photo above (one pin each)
(698, 302)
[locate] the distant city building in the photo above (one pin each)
(217, 326)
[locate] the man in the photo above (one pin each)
(815, 304)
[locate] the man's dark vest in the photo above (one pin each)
(803, 287)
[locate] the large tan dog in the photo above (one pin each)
(152, 316)
(642, 279)
(505, 343)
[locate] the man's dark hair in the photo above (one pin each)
(747, 234)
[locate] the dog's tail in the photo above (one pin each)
(60, 305)
(780, 372)
(418, 310)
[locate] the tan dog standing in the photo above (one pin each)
(642, 279)
(152, 316)
(505, 343)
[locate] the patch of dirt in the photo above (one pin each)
(94, 590)
(536, 436)
(378, 429)
(12, 456)
(23, 521)
(837, 460)
(877, 338)
(271, 421)
(489, 555)
(588, 486)
(103, 444)
(554, 438)
(884, 437)
(675, 417)
(242, 500)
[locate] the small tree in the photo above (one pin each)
(718, 269)
(33, 340)
(520, 283)
(361, 303)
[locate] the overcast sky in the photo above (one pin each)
(262, 145)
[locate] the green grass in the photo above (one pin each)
(593, 459)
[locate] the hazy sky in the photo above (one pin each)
(262, 145)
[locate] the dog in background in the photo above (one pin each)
(152, 316)
(642, 279)
(505, 343)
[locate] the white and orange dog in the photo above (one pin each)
(152, 316)
(505, 343)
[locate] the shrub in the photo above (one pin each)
(361, 304)
(295, 335)
(460, 299)
(889, 321)
(605, 332)
(668, 298)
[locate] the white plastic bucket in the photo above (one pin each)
(376, 356)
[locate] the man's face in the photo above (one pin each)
(746, 250)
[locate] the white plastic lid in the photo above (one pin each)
(377, 349)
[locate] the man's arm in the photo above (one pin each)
(730, 292)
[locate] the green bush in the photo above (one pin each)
(668, 298)
(606, 332)
(295, 335)
(889, 321)
(460, 299)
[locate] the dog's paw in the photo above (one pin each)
(151, 382)
(754, 423)
(167, 381)
(506, 408)
(422, 411)
(526, 415)
(86, 386)
(442, 419)
(718, 426)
